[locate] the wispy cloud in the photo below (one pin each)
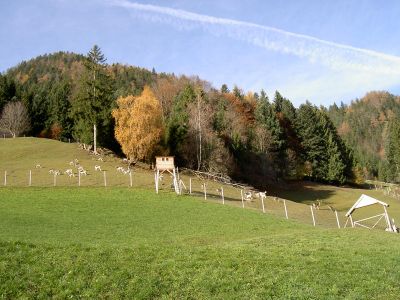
(336, 56)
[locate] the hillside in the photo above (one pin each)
(365, 125)
(249, 136)
(21, 155)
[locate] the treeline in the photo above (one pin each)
(245, 135)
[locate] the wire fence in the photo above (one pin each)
(191, 184)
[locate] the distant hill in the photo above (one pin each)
(364, 125)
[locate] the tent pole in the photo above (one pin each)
(351, 221)
(389, 224)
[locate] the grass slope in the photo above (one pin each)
(97, 243)
(116, 242)
(18, 156)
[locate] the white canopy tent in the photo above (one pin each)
(364, 201)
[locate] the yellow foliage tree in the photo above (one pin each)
(138, 124)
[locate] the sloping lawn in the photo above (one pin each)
(116, 243)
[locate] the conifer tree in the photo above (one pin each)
(178, 122)
(323, 148)
(7, 90)
(59, 108)
(278, 102)
(224, 89)
(93, 104)
(266, 118)
(312, 141)
(393, 153)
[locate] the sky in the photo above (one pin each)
(322, 51)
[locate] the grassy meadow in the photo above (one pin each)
(119, 242)
(21, 155)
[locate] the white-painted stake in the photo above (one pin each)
(30, 177)
(351, 221)
(284, 204)
(262, 202)
(130, 178)
(222, 195)
(105, 178)
(312, 214)
(241, 194)
(205, 191)
(5, 178)
(95, 139)
(155, 181)
(337, 219)
(190, 185)
(79, 178)
(388, 222)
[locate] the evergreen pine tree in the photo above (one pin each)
(267, 118)
(393, 153)
(278, 102)
(93, 104)
(224, 89)
(323, 148)
(178, 122)
(311, 136)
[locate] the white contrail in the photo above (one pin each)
(334, 55)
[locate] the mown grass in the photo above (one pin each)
(122, 243)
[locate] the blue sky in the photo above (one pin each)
(322, 51)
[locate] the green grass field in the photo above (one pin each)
(121, 242)
(20, 155)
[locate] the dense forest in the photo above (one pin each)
(247, 135)
(370, 126)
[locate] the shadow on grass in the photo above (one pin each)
(213, 196)
(303, 192)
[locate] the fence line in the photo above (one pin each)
(209, 190)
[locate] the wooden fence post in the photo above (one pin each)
(222, 195)
(130, 178)
(241, 194)
(190, 185)
(105, 178)
(337, 219)
(79, 178)
(284, 204)
(262, 202)
(155, 181)
(312, 214)
(205, 191)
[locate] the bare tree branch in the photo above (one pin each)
(15, 118)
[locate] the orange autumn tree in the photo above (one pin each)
(138, 124)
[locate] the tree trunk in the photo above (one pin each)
(199, 131)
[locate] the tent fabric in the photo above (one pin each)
(363, 201)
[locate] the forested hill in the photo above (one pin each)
(49, 84)
(247, 136)
(370, 126)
